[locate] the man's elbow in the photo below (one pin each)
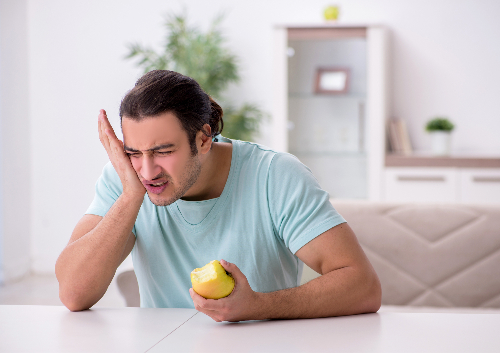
(373, 296)
(73, 302)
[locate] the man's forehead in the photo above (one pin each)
(153, 133)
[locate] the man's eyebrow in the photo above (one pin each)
(156, 148)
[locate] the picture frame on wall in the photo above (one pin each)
(332, 80)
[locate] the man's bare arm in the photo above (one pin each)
(98, 245)
(348, 285)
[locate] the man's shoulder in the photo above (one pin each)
(249, 146)
(259, 151)
(109, 180)
(274, 161)
(109, 172)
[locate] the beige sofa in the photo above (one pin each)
(426, 255)
(432, 255)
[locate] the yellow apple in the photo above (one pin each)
(212, 281)
(331, 13)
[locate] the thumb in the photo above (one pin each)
(232, 269)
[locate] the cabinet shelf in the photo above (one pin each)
(396, 160)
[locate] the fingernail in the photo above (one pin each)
(222, 261)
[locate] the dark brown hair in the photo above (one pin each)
(161, 91)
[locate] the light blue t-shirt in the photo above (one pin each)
(270, 207)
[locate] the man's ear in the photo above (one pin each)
(204, 139)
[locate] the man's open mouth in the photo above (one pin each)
(156, 188)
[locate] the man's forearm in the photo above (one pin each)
(344, 291)
(86, 266)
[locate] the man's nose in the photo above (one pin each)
(149, 168)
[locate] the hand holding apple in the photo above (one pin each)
(241, 304)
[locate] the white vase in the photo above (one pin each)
(441, 143)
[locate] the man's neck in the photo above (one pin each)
(214, 173)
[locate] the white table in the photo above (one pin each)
(55, 329)
(27, 328)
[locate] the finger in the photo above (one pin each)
(106, 127)
(108, 137)
(207, 304)
(99, 123)
(213, 316)
(102, 135)
(232, 269)
(103, 115)
(111, 134)
(200, 304)
(116, 147)
(211, 307)
(106, 124)
(212, 313)
(115, 144)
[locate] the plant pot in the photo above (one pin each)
(441, 143)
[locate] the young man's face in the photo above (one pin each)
(161, 155)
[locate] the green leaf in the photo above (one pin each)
(439, 124)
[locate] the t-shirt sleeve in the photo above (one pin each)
(300, 209)
(107, 190)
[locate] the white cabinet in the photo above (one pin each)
(447, 185)
(340, 137)
(480, 186)
(421, 185)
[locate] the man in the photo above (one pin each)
(177, 195)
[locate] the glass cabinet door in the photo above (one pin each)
(327, 123)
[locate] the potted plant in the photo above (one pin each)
(440, 129)
(205, 57)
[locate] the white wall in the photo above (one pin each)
(15, 148)
(444, 61)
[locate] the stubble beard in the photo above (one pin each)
(188, 179)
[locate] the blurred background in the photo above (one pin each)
(400, 65)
